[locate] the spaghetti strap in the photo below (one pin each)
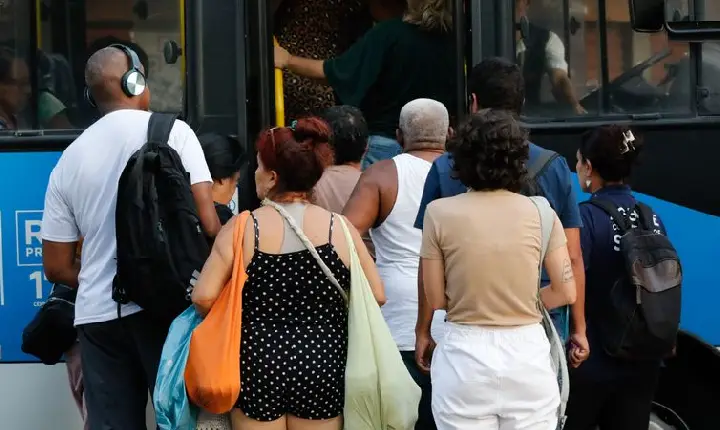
(257, 231)
(332, 218)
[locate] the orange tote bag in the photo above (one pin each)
(212, 373)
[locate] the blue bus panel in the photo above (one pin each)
(23, 287)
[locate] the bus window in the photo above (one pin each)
(15, 75)
(607, 69)
(709, 102)
(51, 41)
(549, 46)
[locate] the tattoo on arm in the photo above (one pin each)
(567, 273)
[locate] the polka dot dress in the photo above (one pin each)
(294, 336)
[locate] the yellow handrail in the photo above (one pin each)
(279, 95)
(38, 24)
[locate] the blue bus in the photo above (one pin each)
(211, 60)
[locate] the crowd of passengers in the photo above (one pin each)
(454, 257)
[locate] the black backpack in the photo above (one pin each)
(642, 311)
(51, 333)
(535, 170)
(161, 246)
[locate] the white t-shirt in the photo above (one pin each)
(554, 52)
(81, 197)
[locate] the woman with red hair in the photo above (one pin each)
(294, 320)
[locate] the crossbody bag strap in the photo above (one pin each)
(310, 247)
(546, 226)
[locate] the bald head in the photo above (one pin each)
(424, 123)
(103, 73)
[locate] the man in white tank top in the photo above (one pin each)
(385, 202)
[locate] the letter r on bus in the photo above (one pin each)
(32, 231)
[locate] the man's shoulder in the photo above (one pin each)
(380, 171)
(556, 162)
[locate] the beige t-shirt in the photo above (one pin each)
(490, 243)
(335, 186)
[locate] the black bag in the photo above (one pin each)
(535, 170)
(161, 246)
(642, 314)
(51, 333)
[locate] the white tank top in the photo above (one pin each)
(397, 251)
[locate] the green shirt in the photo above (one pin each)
(391, 65)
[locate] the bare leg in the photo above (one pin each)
(295, 423)
(240, 421)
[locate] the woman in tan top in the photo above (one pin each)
(480, 261)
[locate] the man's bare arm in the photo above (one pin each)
(60, 263)
(202, 194)
(363, 207)
(578, 269)
(563, 89)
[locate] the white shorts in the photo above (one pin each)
(497, 378)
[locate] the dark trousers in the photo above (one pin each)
(120, 360)
(612, 404)
(425, 417)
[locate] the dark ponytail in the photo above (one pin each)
(223, 155)
(612, 150)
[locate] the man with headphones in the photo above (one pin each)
(120, 356)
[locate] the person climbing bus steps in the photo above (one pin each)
(398, 60)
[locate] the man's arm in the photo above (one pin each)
(363, 207)
(60, 263)
(193, 159)
(569, 214)
(577, 310)
(558, 73)
(60, 236)
(202, 194)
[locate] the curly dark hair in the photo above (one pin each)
(490, 151)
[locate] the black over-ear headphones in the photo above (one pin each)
(133, 82)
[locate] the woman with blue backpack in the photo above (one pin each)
(633, 279)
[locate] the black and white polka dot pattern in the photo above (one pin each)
(294, 336)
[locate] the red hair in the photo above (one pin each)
(298, 155)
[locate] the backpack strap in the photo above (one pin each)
(159, 128)
(541, 163)
(612, 211)
(646, 215)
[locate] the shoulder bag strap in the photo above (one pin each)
(557, 349)
(310, 247)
